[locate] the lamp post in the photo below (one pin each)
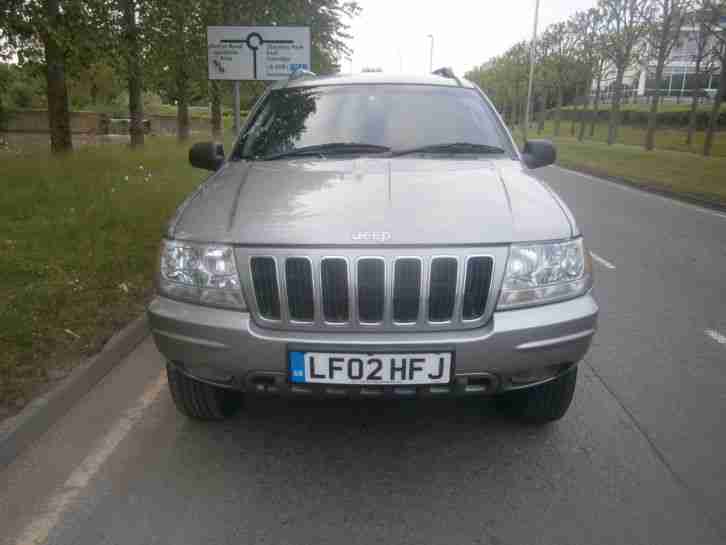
(431, 54)
(532, 48)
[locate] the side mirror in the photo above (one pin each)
(207, 155)
(538, 153)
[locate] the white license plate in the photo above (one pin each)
(370, 369)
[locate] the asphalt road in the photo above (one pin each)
(639, 458)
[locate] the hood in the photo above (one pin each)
(401, 201)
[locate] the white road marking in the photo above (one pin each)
(716, 336)
(38, 531)
(604, 262)
(683, 204)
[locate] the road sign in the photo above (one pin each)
(257, 52)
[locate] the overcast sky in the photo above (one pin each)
(392, 34)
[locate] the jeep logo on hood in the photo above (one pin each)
(371, 236)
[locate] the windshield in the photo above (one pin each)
(394, 117)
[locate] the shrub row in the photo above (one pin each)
(640, 118)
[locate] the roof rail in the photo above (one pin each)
(447, 72)
(301, 73)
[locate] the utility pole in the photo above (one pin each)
(532, 48)
(431, 53)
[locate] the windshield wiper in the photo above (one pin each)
(453, 147)
(327, 149)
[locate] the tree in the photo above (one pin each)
(545, 82)
(326, 19)
(702, 59)
(131, 54)
(561, 42)
(716, 10)
(177, 36)
(513, 70)
(61, 36)
(504, 80)
(5, 77)
(587, 25)
(664, 32)
(624, 29)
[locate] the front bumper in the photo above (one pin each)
(227, 348)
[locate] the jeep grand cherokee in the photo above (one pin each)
(374, 237)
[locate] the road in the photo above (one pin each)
(638, 459)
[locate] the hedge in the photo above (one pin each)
(640, 118)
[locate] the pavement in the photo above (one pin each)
(639, 458)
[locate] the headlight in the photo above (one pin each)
(545, 273)
(200, 273)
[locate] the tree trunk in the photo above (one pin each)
(558, 111)
(716, 109)
(182, 104)
(596, 106)
(614, 120)
(216, 106)
(542, 115)
(653, 114)
(694, 106)
(575, 114)
(135, 82)
(692, 119)
(585, 110)
(182, 116)
(59, 117)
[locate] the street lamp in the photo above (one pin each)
(431, 54)
(532, 48)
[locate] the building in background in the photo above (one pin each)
(679, 76)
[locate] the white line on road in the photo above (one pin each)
(604, 262)
(38, 531)
(716, 336)
(683, 204)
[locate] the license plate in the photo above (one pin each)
(370, 369)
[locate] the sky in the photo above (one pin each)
(393, 34)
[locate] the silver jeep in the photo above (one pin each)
(373, 237)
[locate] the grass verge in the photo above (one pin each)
(665, 139)
(78, 246)
(682, 173)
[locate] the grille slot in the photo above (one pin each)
(442, 289)
(476, 287)
(334, 281)
(406, 290)
(267, 293)
(299, 283)
(371, 289)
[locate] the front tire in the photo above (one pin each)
(199, 400)
(544, 403)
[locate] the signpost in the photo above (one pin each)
(239, 53)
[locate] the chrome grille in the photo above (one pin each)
(357, 289)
